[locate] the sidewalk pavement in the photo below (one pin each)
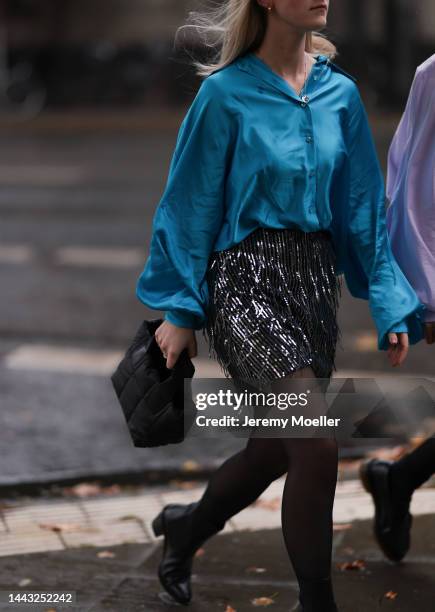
(103, 548)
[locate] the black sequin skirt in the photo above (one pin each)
(273, 302)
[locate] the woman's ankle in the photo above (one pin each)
(317, 595)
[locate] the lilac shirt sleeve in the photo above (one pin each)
(411, 188)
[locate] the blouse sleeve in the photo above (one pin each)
(398, 146)
(372, 272)
(410, 189)
(190, 213)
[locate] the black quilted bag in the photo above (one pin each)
(154, 399)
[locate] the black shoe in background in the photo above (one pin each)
(393, 521)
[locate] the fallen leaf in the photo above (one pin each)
(269, 504)
(24, 582)
(262, 601)
(106, 554)
(390, 595)
(184, 484)
(342, 526)
(389, 453)
(255, 570)
(88, 489)
(190, 466)
(356, 564)
(230, 609)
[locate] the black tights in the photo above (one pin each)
(308, 495)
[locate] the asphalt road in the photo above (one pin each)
(76, 207)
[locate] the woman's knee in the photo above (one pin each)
(266, 456)
(315, 452)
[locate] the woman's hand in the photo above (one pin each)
(398, 349)
(172, 339)
(429, 331)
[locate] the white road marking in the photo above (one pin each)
(52, 358)
(63, 359)
(100, 257)
(81, 256)
(16, 254)
(55, 358)
(41, 175)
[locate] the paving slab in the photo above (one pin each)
(233, 570)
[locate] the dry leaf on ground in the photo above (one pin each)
(106, 554)
(262, 601)
(87, 489)
(341, 526)
(268, 504)
(190, 466)
(390, 595)
(356, 564)
(184, 484)
(389, 453)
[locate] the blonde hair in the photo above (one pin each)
(231, 27)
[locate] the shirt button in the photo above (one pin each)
(305, 99)
(303, 104)
(309, 139)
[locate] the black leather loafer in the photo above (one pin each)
(181, 542)
(393, 521)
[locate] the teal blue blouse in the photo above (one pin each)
(250, 152)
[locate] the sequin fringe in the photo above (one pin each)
(273, 301)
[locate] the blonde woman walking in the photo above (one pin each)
(274, 189)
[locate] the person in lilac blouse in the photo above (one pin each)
(411, 191)
(411, 227)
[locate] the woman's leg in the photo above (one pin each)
(241, 479)
(306, 510)
(307, 506)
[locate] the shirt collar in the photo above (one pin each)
(249, 62)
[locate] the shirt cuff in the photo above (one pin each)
(182, 318)
(400, 327)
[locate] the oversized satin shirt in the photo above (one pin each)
(252, 153)
(411, 188)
